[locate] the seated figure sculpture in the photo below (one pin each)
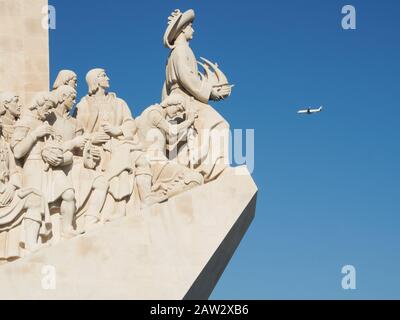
(42, 158)
(24, 214)
(155, 130)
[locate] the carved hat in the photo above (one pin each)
(177, 21)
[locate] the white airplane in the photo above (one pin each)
(310, 111)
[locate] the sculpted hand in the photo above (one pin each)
(80, 141)
(225, 91)
(100, 138)
(91, 156)
(220, 93)
(112, 131)
(56, 161)
(95, 153)
(42, 131)
(8, 195)
(53, 159)
(215, 95)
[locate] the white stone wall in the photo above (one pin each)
(24, 48)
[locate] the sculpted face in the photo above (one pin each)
(14, 107)
(103, 80)
(73, 83)
(70, 101)
(189, 32)
(174, 111)
(44, 110)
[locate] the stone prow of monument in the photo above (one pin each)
(175, 250)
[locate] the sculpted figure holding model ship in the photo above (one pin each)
(207, 150)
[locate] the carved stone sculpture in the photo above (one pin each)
(155, 130)
(39, 149)
(90, 186)
(164, 176)
(108, 121)
(210, 134)
(66, 77)
(10, 111)
(24, 214)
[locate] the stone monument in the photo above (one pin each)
(105, 205)
(24, 48)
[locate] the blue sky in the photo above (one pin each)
(328, 184)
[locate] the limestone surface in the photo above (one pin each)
(176, 250)
(24, 48)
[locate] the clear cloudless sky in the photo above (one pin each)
(329, 191)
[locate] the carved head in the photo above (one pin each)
(43, 103)
(10, 101)
(174, 105)
(188, 31)
(179, 23)
(65, 95)
(66, 77)
(97, 78)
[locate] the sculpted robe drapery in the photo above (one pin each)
(80, 177)
(117, 157)
(182, 73)
(13, 213)
(7, 128)
(182, 77)
(36, 173)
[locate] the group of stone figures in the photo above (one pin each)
(64, 171)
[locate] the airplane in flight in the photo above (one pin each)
(310, 111)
